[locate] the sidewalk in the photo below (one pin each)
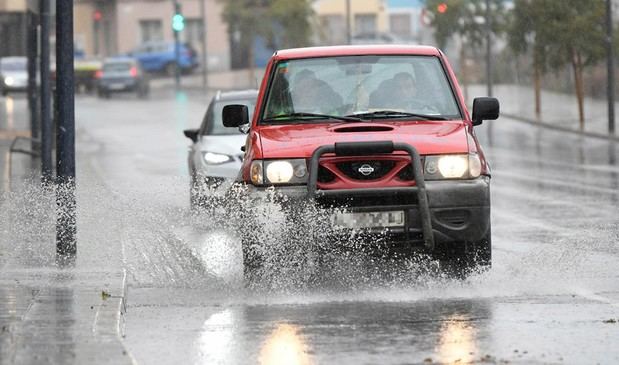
(51, 314)
(559, 111)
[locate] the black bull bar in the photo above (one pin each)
(369, 149)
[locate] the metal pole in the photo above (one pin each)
(177, 51)
(65, 98)
(610, 59)
(46, 112)
(203, 39)
(488, 50)
(32, 78)
(348, 25)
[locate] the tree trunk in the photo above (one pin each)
(537, 84)
(578, 84)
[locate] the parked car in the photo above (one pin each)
(122, 74)
(380, 136)
(13, 74)
(160, 57)
(215, 155)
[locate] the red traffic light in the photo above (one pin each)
(442, 8)
(97, 15)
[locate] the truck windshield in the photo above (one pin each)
(367, 86)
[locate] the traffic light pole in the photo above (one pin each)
(32, 79)
(45, 96)
(488, 49)
(66, 246)
(610, 59)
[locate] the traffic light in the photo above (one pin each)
(178, 20)
(97, 15)
(442, 8)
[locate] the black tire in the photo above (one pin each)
(252, 261)
(463, 259)
(170, 69)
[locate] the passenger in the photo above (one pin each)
(312, 95)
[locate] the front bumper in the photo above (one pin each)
(435, 212)
(459, 209)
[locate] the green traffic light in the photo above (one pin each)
(178, 22)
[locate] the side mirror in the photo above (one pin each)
(192, 134)
(485, 109)
(235, 115)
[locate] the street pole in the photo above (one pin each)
(203, 34)
(45, 97)
(66, 246)
(610, 60)
(32, 41)
(177, 50)
(488, 50)
(348, 25)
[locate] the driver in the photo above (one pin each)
(397, 93)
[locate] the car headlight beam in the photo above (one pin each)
(9, 81)
(464, 166)
(212, 158)
(453, 167)
(279, 172)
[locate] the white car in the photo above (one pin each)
(13, 74)
(215, 155)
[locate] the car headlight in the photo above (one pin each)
(452, 167)
(212, 158)
(278, 172)
(9, 81)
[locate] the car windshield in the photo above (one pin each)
(117, 67)
(217, 126)
(359, 85)
(13, 65)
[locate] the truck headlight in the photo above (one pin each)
(212, 158)
(9, 81)
(277, 172)
(452, 167)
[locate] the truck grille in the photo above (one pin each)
(366, 170)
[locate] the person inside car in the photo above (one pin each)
(398, 93)
(312, 95)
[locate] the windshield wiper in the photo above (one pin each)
(396, 114)
(287, 117)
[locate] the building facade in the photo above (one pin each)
(366, 17)
(12, 28)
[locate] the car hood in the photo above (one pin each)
(300, 140)
(225, 144)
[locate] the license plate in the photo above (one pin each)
(117, 86)
(385, 219)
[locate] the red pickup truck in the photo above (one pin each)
(380, 133)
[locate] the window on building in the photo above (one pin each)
(151, 30)
(365, 23)
(400, 24)
(192, 32)
(334, 29)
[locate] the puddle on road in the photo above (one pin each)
(171, 248)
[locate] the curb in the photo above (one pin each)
(560, 128)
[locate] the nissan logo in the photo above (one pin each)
(366, 169)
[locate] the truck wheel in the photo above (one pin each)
(252, 261)
(462, 260)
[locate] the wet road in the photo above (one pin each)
(552, 295)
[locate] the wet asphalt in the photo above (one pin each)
(552, 295)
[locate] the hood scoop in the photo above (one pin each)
(362, 128)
